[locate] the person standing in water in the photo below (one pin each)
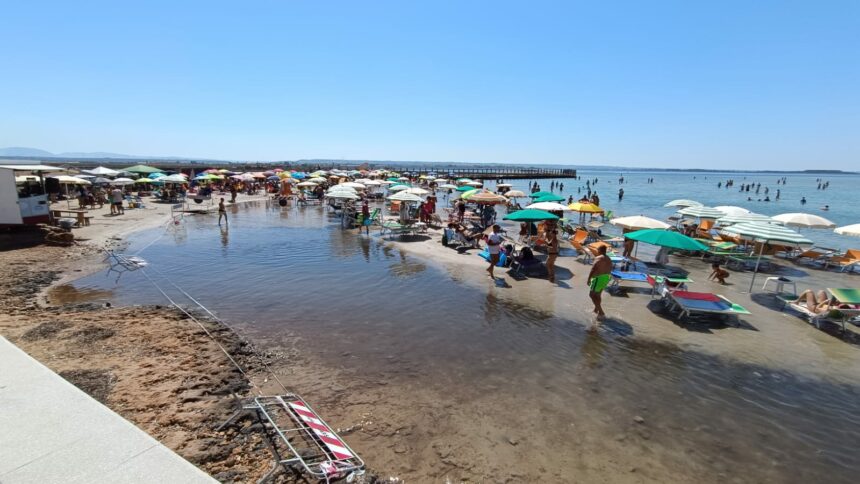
(598, 279)
(620, 194)
(494, 246)
(222, 212)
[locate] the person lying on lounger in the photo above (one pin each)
(815, 302)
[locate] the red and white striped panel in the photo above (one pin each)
(337, 448)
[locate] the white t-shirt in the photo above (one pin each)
(495, 239)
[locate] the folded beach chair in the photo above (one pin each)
(526, 264)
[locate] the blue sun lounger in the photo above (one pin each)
(624, 276)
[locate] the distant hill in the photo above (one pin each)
(96, 154)
(19, 151)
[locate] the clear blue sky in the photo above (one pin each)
(734, 84)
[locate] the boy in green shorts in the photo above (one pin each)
(598, 279)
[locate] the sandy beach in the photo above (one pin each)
(179, 386)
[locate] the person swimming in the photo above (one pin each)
(825, 208)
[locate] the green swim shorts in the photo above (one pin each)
(599, 282)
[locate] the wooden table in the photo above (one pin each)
(80, 215)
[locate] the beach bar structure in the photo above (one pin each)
(23, 201)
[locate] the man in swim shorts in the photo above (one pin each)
(598, 279)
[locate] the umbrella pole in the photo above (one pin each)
(755, 271)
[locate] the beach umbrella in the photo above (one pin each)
(515, 194)
(173, 179)
(70, 180)
(358, 186)
(474, 184)
(765, 234)
(584, 207)
(548, 198)
(683, 203)
(465, 188)
(123, 181)
(448, 186)
(343, 195)
(306, 184)
(484, 197)
(417, 191)
(373, 183)
(731, 210)
(402, 178)
(101, 170)
(852, 230)
(316, 179)
(807, 220)
(341, 188)
(639, 222)
(441, 180)
(667, 238)
(397, 188)
(298, 175)
(274, 178)
(156, 175)
(143, 180)
(540, 194)
(504, 185)
(464, 180)
(700, 211)
(530, 215)
(26, 178)
(405, 197)
(100, 179)
(142, 169)
(548, 206)
(745, 217)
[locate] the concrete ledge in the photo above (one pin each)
(50, 431)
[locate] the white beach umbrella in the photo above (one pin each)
(387, 182)
(356, 185)
(402, 178)
(101, 170)
(405, 197)
(515, 194)
(852, 230)
(316, 179)
(100, 179)
(363, 180)
(700, 211)
(807, 220)
(306, 184)
(765, 234)
(504, 185)
(417, 191)
(26, 178)
(372, 183)
(473, 184)
(341, 188)
(398, 188)
(683, 203)
(448, 186)
(343, 195)
(732, 210)
(548, 206)
(71, 180)
(745, 217)
(638, 222)
(441, 180)
(122, 181)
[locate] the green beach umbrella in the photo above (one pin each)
(465, 188)
(530, 215)
(141, 169)
(540, 194)
(548, 198)
(765, 234)
(666, 238)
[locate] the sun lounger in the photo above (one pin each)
(691, 304)
(626, 276)
(848, 261)
(393, 228)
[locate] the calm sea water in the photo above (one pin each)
(642, 198)
(295, 270)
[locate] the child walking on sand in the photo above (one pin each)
(719, 274)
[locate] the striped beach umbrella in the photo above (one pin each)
(700, 211)
(744, 217)
(765, 234)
